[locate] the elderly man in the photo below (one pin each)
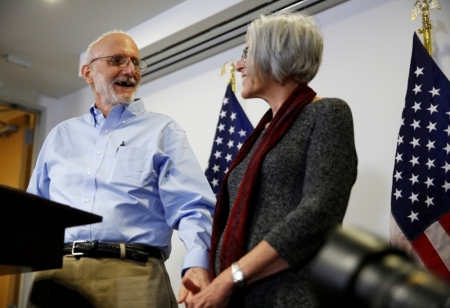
(135, 169)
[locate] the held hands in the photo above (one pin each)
(195, 279)
(216, 294)
(262, 261)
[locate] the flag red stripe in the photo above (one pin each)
(430, 257)
(445, 222)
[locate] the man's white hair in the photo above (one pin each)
(88, 55)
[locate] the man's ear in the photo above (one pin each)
(86, 71)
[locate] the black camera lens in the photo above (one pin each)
(356, 269)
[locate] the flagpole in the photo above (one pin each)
(424, 9)
(230, 68)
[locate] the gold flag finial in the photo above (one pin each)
(230, 68)
(424, 9)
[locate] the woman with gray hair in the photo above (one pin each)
(290, 183)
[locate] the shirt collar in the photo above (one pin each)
(128, 112)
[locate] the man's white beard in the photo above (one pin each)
(106, 90)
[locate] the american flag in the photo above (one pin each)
(420, 206)
(233, 128)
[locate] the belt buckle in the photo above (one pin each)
(73, 248)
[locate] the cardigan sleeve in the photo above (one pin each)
(330, 172)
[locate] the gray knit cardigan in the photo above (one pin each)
(305, 186)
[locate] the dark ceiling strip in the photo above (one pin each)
(210, 29)
(148, 72)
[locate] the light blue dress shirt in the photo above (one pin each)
(137, 170)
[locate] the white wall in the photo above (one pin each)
(368, 46)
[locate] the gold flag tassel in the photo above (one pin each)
(424, 9)
(230, 68)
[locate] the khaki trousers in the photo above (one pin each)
(103, 283)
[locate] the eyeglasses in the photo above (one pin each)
(122, 62)
(244, 54)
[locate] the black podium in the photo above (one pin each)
(32, 231)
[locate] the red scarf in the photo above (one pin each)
(236, 231)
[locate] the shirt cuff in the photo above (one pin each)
(196, 258)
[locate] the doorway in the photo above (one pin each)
(17, 135)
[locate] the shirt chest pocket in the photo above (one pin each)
(132, 167)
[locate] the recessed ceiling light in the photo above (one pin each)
(18, 60)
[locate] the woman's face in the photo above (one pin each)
(251, 86)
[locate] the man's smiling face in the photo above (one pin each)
(112, 84)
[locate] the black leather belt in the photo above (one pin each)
(94, 249)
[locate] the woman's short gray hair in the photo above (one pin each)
(283, 46)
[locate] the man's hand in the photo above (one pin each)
(195, 279)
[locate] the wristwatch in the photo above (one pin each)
(238, 276)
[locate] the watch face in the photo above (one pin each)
(238, 276)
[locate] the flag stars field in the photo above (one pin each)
(233, 128)
(423, 108)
